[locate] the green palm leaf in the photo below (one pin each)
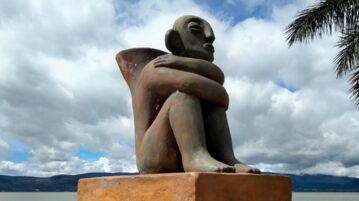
(325, 17)
(354, 81)
(347, 58)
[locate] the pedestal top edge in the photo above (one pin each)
(189, 174)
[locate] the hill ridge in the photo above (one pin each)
(68, 183)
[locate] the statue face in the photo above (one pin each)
(197, 37)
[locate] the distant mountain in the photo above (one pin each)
(324, 183)
(68, 183)
(58, 183)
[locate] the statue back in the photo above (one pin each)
(132, 61)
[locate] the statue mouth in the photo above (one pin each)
(209, 47)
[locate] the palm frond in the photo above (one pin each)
(323, 18)
(354, 82)
(348, 55)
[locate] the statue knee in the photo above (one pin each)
(183, 98)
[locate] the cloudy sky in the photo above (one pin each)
(65, 108)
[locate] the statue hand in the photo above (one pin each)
(167, 60)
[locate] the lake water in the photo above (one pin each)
(72, 197)
(325, 197)
(34, 196)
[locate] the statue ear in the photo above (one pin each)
(173, 42)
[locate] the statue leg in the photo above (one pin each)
(219, 138)
(180, 124)
(159, 152)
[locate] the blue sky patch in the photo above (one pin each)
(287, 86)
(19, 152)
(238, 10)
(86, 154)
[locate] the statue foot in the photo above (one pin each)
(240, 167)
(205, 163)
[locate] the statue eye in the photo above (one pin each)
(195, 27)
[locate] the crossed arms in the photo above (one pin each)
(196, 77)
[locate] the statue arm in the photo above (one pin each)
(166, 81)
(198, 66)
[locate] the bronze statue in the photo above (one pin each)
(179, 103)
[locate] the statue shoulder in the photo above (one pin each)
(132, 61)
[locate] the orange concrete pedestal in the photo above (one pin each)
(186, 187)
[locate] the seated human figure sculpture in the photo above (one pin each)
(179, 103)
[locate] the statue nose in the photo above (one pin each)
(210, 39)
(209, 35)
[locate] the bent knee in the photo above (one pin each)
(180, 97)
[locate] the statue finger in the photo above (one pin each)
(159, 63)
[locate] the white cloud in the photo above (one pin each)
(294, 130)
(11, 168)
(253, 4)
(59, 68)
(333, 168)
(115, 135)
(271, 126)
(60, 87)
(78, 166)
(4, 148)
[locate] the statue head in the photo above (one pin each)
(191, 36)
